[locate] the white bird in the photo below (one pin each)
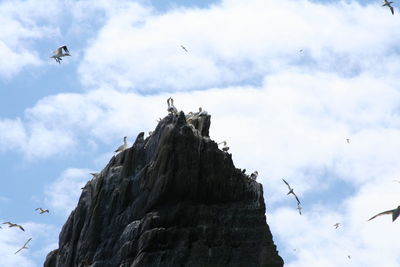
(202, 112)
(58, 53)
(184, 48)
(395, 213)
(386, 3)
(254, 175)
(171, 108)
(224, 148)
(41, 211)
(291, 191)
(95, 174)
(10, 224)
(24, 246)
(122, 147)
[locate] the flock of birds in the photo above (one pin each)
(63, 51)
(10, 224)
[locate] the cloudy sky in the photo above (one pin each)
(286, 83)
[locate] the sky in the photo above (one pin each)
(286, 83)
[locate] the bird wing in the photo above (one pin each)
(21, 227)
(382, 213)
(391, 9)
(119, 148)
(28, 241)
(396, 213)
(19, 250)
(58, 51)
(287, 184)
(298, 201)
(6, 223)
(65, 48)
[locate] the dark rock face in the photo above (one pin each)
(172, 199)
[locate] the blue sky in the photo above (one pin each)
(283, 112)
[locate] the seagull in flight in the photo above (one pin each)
(10, 224)
(348, 140)
(395, 213)
(291, 191)
(336, 225)
(387, 3)
(24, 246)
(184, 48)
(41, 211)
(58, 53)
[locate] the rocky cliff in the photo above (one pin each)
(172, 199)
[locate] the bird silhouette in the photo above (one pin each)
(291, 191)
(24, 246)
(395, 213)
(41, 211)
(10, 224)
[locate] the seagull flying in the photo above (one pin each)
(336, 225)
(184, 48)
(291, 192)
(58, 53)
(348, 140)
(386, 3)
(24, 246)
(395, 213)
(41, 211)
(10, 224)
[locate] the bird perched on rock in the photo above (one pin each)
(171, 108)
(291, 191)
(254, 175)
(10, 224)
(395, 213)
(224, 148)
(58, 53)
(123, 146)
(41, 211)
(95, 175)
(24, 246)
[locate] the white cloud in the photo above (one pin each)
(63, 194)
(235, 42)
